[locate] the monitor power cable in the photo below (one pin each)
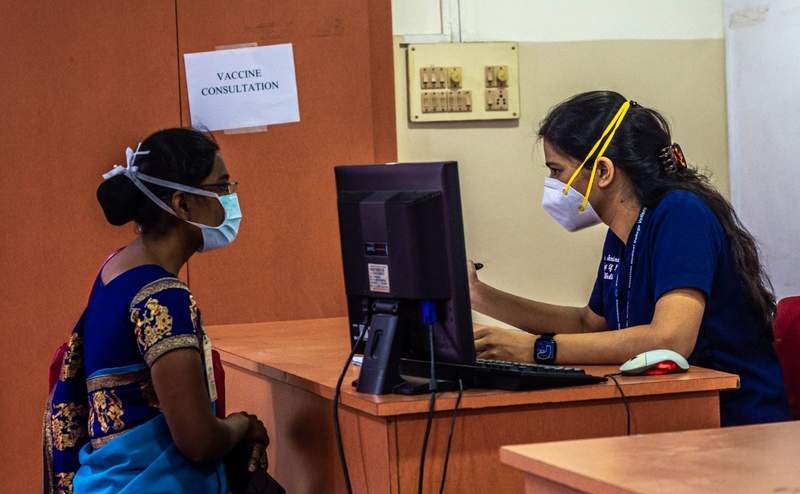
(450, 435)
(336, 398)
(429, 317)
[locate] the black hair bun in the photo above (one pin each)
(120, 199)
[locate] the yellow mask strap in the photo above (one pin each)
(609, 131)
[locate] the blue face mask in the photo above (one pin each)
(214, 237)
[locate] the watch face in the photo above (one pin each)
(545, 349)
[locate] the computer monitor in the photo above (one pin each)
(402, 241)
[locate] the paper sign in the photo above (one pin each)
(244, 87)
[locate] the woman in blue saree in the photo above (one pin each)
(133, 408)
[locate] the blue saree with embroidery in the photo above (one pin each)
(103, 430)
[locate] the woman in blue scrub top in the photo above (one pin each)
(678, 270)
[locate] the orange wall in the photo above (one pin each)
(286, 262)
(80, 81)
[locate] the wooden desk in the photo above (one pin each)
(753, 459)
(286, 373)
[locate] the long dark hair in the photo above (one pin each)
(642, 148)
(185, 156)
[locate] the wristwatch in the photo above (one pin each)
(544, 350)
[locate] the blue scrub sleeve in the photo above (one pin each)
(687, 242)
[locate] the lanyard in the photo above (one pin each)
(630, 275)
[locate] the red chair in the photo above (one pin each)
(787, 345)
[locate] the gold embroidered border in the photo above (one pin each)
(112, 381)
(157, 286)
(107, 410)
(47, 434)
(65, 481)
(68, 420)
(73, 357)
(102, 441)
(169, 344)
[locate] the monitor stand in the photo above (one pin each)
(380, 368)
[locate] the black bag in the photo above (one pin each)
(242, 481)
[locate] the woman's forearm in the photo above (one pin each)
(675, 326)
(216, 440)
(529, 315)
(608, 347)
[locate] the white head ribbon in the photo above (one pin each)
(214, 237)
(130, 157)
(132, 172)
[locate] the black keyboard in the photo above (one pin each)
(500, 374)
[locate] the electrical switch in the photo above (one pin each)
(456, 76)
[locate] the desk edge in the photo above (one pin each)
(537, 468)
(492, 399)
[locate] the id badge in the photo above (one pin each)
(212, 383)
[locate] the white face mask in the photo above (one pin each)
(566, 208)
(214, 237)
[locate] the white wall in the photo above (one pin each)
(417, 17)
(557, 20)
(763, 76)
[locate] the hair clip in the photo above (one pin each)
(680, 158)
(672, 158)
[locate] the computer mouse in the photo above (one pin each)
(655, 363)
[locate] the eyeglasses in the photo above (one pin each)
(221, 188)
